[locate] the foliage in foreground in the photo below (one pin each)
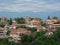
(38, 38)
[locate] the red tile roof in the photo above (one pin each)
(39, 27)
(21, 30)
(15, 24)
(35, 21)
(1, 28)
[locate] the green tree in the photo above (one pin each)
(0, 19)
(21, 26)
(2, 25)
(43, 24)
(10, 21)
(48, 17)
(20, 20)
(55, 17)
(8, 33)
(31, 29)
(24, 38)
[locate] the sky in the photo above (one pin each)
(32, 8)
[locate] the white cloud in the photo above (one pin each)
(27, 0)
(30, 5)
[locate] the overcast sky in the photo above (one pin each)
(33, 8)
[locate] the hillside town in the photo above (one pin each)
(16, 28)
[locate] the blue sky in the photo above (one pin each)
(32, 8)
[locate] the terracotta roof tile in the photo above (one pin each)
(1, 28)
